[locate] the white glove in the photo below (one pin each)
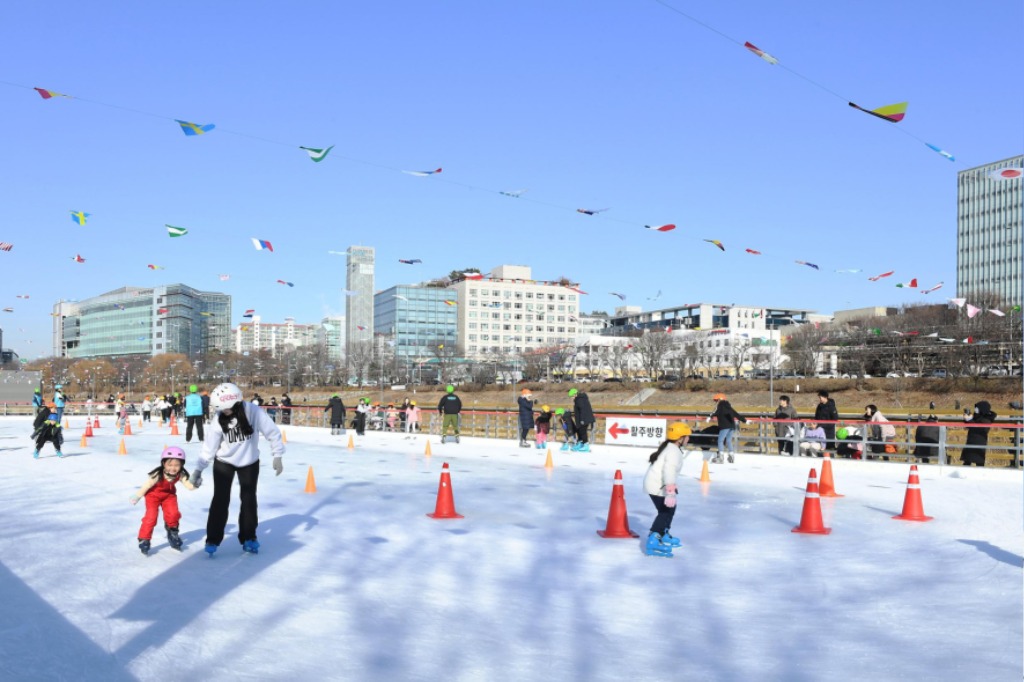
(278, 466)
(197, 478)
(670, 496)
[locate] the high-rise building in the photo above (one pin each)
(256, 334)
(990, 201)
(143, 321)
(510, 313)
(332, 335)
(417, 318)
(359, 299)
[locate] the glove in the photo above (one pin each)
(134, 499)
(278, 466)
(197, 478)
(670, 495)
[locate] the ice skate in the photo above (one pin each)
(732, 457)
(210, 549)
(144, 547)
(668, 539)
(251, 546)
(35, 454)
(584, 447)
(60, 454)
(565, 446)
(655, 546)
(173, 539)
(523, 443)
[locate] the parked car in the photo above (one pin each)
(613, 380)
(939, 373)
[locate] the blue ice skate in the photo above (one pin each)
(251, 546)
(668, 539)
(585, 447)
(35, 455)
(210, 549)
(655, 546)
(60, 454)
(565, 446)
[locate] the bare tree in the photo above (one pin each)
(652, 349)
(360, 358)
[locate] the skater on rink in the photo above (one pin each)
(47, 429)
(568, 427)
(583, 415)
(449, 407)
(660, 483)
(233, 447)
(337, 414)
(160, 494)
(193, 414)
(526, 404)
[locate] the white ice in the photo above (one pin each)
(355, 582)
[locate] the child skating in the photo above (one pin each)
(568, 427)
(160, 494)
(47, 429)
(660, 483)
(543, 426)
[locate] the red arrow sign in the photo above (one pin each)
(615, 430)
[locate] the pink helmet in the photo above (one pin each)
(173, 452)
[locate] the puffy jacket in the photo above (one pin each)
(236, 449)
(193, 405)
(58, 399)
(664, 471)
(337, 408)
(449, 404)
(788, 412)
(526, 412)
(727, 416)
(582, 412)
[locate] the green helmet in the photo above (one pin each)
(193, 388)
(450, 388)
(560, 411)
(843, 433)
(335, 395)
(572, 392)
(38, 391)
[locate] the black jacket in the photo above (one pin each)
(337, 408)
(978, 435)
(526, 412)
(727, 416)
(449, 404)
(582, 412)
(826, 411)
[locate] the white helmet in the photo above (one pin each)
(224, 397)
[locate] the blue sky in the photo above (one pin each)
(626, 105)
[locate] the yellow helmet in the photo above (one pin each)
(677, 430)
(412, 402)
(545, 408)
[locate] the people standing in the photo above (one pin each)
(233, 448)
(205, 396)
(120, 413)
(336, 407)
(543, 426)
(58, 401)
(160, 494)
(286, 409)
(362, 409)
(403, 415)
(47, 429)
(412, 418)
(147, 409)
(583, 416)
(272, 409)
(826, 414)
(661, 483)
(526, 403)
(37, 401)
(727, 418)
(880, 431)
(784, 431)
(193, 413)
(164, 406)
(977, 436)
(449, 408)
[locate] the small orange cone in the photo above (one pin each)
(445, 507)
(88, 428)
(310, 482)
(174, 428)
(127, 428)
(140, 422)
(548, 464)
(913, 507)
(67, 424)
(810, 520)
(427, 451)
(351, 443)
(705, 477)
(828, 488)
(617, 525)
(95, 422)
(122, 450)
(284, 436)
(83, 443)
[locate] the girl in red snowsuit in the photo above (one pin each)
(160, 494)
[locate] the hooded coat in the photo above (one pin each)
(526, 403)
(977, 436)
(337, 409)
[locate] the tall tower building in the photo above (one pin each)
(359, 300)
(990, 202)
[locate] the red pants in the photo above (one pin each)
(155, 501)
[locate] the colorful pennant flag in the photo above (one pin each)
(716, 243)
(760, 53)
(223, 278)
(810, 265)
(934, 288)
(79, 217)
(893, 113)
(661, 228)
(422, 174)
(972, 311)
(997, 313)
(912, 284)
(940, 151)
(6, 246)
(317, 155)
(49, 94)
(882, 276)
(155, 267)
(281, 281)
(191, 129)
(261, 244)
(753, 252)
(77, 258)
(958, 301)
(173, 231)
(1008, 173)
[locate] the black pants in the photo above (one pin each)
(145, 415)
(286, 415)
(663, 521)
(198, 421)
(581, 433)
(360, 423)
(524, 431)
(223, 479)
(785, 446)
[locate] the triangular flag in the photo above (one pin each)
(972, 311)
(191, 129)
(317, 155)
(958, 301)
(173, 231)
(997, 313)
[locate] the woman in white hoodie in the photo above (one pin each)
(234, 449)
(660, 484)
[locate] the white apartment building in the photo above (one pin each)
(256, 335)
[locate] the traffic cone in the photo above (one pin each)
(705, 477)
(617, 525)
(127, 427)
(828, 488)
(351, 443)
(88, 428)
(122, 450)
(284, 436)
(548, 464)
(67, 424)
(140, 422)
(83, 443)
(174, 428)
(427, 451)
(913, 508)
(810, 520)
(310, 482)
(95, 422)
(445, 507)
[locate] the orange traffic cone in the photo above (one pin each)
(828, 488)
(548, 464)
(88, 428)
(310, 482)
(67, 424)
(427, 451)
(83, 443)
(127, 428)
(284, 436)
(174, 428)
(913, 508)
(445, 507)
(617, 525)
(122, 450)
(95, 422)
(140, 422)
(810, 520)
(351, 443)
(705, 477)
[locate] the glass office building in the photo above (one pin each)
(359, 302)
(417, 319)
(990, 202)
(143, 321)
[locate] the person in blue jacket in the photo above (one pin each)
(526, 403)
(58, 400)
(37, 401)
(194, 413)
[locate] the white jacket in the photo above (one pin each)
(234, 448)
(665, 470)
